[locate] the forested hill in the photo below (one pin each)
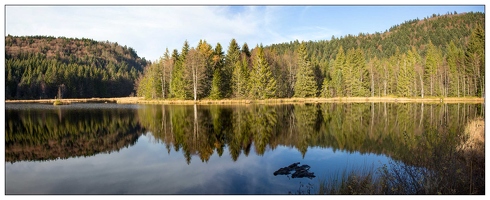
(44, 67)
(438, 56)
(440, 30)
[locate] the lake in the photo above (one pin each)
(214, 149)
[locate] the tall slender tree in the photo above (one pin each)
(166, 64)
(206, 51)
(306, 85)
(240, 78)
(475, 60)
(454, 62)
(196, 72)
(404, 86)
(179, 83)
(232, 59)
(262, 84)
(360, 82)
(338, 75)
(218, 58)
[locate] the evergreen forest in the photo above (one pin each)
(438, 56)
(40, 67)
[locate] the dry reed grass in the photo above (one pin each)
(140, 100)
(474, 136)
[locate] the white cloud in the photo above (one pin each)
(151, 29)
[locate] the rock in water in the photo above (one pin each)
(299, 171)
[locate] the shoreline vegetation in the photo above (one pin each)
(460, 170)
(141, 100)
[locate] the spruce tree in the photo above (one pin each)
(454, 62)
(179, 85)
(326, 88)
(360, 79)
(206, 51)
(337, 75)
(475, 60)
(262, 84)
(305, 85)
(403, 86)
(245, 50)
(215, 92)
(433, 60)
(240, 78)
(216, 85)
(232, 58)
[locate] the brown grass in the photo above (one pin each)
(140, 100)
(459, 170)
(473, 137)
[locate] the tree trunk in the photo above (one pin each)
(384, 89)
(372, 84)
(195, 84)
(163, 88)
(421, 85)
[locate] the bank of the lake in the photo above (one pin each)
(141, 100)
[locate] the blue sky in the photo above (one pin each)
(151, 29)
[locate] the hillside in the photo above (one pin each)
(44, 67)
(438, 29)
(439, 56)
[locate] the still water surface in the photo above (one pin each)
(177, 149)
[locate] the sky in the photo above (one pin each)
(151, 29)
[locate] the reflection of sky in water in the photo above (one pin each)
(147, 168)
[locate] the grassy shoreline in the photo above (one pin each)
(140, 100)
(459, 170)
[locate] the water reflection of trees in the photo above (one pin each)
(52, 134)
(397, 130)
(403, 131)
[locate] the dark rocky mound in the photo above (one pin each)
(299, 171)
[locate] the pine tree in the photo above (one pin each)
(232, 58)
(416, 60)
(245, 50)
(454, 62)
(373, 67)
(149, 83)
(326, 88)
(360, 79)
(349, 74)
(403, 86)
(475, 60)
(305, 85)
(206, 51)
(166, 64)
(262, 84)
(215, 92)
(240, 78)
(433, 61)
(216, 85)
(337, 75)
(179, 84)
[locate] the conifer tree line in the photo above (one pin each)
(441, 56)
(40, 67)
